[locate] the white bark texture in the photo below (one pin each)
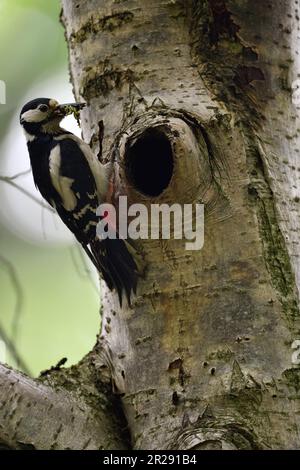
(202, 360)
(67, 409)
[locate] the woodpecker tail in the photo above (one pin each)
(117, 265)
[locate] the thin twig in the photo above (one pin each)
(18, 175)
(13, 351)
(7, 265)
(17, 287)
(87, 272)
(10, 180)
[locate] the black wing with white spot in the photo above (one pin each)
(72, 178)
(63, 175)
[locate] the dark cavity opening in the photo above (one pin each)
(149, 163)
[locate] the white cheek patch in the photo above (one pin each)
(62, 184)
(33, 115)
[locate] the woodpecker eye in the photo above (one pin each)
(43, 107)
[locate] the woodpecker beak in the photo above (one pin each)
(68, 108)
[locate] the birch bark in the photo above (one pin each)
(198, 106)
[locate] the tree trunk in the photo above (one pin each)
(196, 100)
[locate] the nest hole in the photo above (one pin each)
(149, 163)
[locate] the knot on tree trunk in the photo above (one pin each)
(217, 436)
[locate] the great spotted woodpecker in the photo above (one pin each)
(72, 180)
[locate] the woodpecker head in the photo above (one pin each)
(43, 116)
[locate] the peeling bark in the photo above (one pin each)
(196, 95)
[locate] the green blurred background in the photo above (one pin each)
(49, 299)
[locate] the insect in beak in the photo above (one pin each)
(69, 108)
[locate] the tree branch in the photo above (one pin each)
(34, 415)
